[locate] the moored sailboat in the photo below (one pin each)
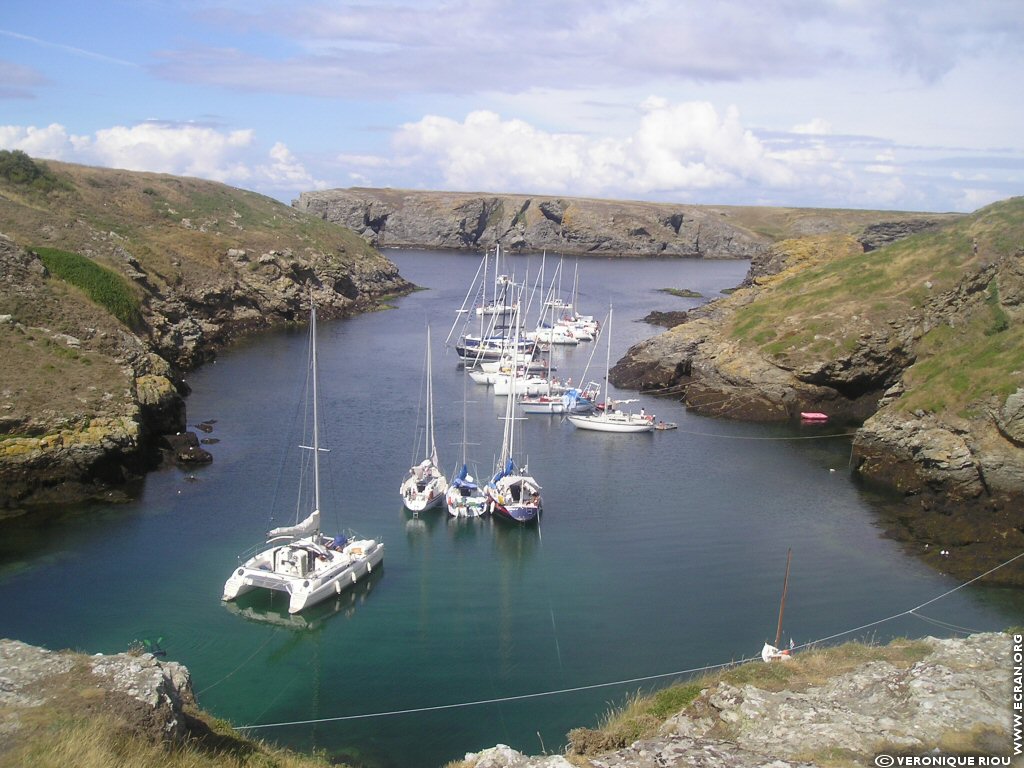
(425, 484)
(300, 559)
(611, 419)
(464, 497)
(513, 493)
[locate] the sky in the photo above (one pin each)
(911, 105)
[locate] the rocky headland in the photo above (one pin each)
(829, 707)
(564, 225)
(915, 345)
(113, 285)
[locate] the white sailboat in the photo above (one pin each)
(465, 497)
(512, 493)
(300, 559)
(425, 484)
(612, 419)
(771, 652)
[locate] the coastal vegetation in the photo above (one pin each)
(832, 294)
(22, 171)
(75, 734)
(105, 287)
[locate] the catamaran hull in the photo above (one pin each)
(343, 570)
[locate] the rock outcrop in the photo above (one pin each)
(144, 695)
(403, 218)
(956, 700)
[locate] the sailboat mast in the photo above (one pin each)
(782, 602)
(430, 406)
(316, 419)
(608, 360)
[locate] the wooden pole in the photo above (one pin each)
(782, 603)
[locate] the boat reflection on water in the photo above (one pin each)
(267, 607)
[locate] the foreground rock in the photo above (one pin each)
(145, 695)
(955, 700)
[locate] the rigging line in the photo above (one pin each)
(229, 674)
(500, 700)
(911, 611)
(944, 624)
(646, 678)
(754, 437)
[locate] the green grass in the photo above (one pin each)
(105, 287)
(101, 741)
(816, 310)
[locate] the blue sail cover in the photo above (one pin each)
(460, 480)
(503, 472)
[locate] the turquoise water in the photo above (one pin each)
(656, 554)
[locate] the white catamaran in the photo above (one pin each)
(300, 559)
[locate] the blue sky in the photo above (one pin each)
(894, 104)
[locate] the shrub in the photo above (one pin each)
(18, 168)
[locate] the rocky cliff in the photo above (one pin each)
(917, 344)
(85, 394)
(567, 225)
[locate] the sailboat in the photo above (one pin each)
(464, 497)
(771, 652)
(492, 339)
(512, 492)
(611, 419)
(425, 484)
(300, 559)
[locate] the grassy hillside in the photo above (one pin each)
(177, 228)
(136, 263)
(832, 294)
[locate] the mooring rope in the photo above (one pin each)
(631, 681)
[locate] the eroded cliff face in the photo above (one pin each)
(395, 218)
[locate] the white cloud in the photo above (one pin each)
(232, 157)
(52, 141)
(817, 126)
(187, 150)
(674, 148)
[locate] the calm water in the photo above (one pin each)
(657, 553)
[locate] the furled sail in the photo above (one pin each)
(310, 525)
